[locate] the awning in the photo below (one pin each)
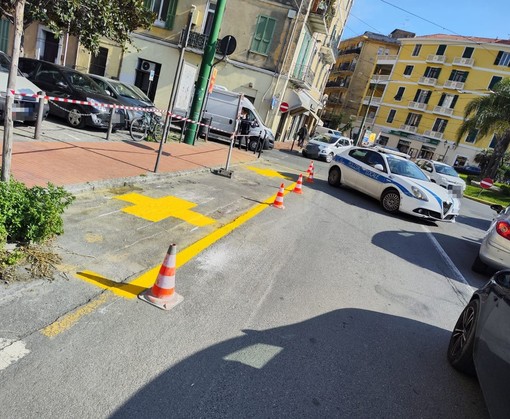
(301, 101)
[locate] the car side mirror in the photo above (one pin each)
(502, 278)
(379, 167)
(498, 208)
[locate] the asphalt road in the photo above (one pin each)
(328, 308)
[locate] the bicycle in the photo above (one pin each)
(148, 126)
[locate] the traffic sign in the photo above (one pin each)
(284, 107)
(486, 183)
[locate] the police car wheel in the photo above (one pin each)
(334, 176)
(390, 200)
(304, 153)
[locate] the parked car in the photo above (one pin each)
(494, 252)
(444, 175)
(395, 181)
(325, 146)
(126, 94)
(468, 170)
(64, 82)
(480, 342)
(25, 108)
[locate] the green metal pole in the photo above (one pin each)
(205, 71)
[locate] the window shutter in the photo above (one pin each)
(498, 58)
(170, 17)
(427, 97)
(259, 33)
(268, 34)
(454, 101)
(441, 100)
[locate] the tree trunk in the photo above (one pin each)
(497, 156)
(11, 87)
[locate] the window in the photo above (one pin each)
(468, 52)
(503, 59)
(448, 101)
(391, 115)
(471, 137)
(422, 96)
(409, 70)
(263, 35)
(383, 140)
(440, 125)
(164, 11)
(416, 50)
(98, 62)
(493, 142)
(413, 119)
(495, 80)
(4, 34)
(400, 93)
(457, 75)
(432, 72)
(211, 9)
(441, 49)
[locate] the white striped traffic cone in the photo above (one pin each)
(278, 202)
(298, 188)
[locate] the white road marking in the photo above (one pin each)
(11, 351)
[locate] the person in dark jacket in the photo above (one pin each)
(302, 135)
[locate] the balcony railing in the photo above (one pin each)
(454, 85)
(409, 128)
(379, 78)
(356, 50)
(335, 83)
(417, 105)
(464, 62)
(385, 59)
(440, 59)
(434, 134)
(197, 40)
(429, 81)
(303, 76)
(442, 110)
(320, 15)
(374, 101)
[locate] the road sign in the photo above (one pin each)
(151, 75)
(486, 183)
(284, 107)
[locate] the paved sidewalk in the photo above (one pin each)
(82, 159)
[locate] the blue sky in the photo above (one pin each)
(483, 18)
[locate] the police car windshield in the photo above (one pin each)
(405, 168)
(326, 139)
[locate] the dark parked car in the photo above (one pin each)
(468, 170)
(126, 94)
(64, 82)
(25, 107)
(480, 342)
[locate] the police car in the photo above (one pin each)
(395, 181)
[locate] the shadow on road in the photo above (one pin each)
(346, 363)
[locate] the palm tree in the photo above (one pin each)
(490, 115)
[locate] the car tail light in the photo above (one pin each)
(503, 229)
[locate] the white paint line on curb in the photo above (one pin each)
(11, 351)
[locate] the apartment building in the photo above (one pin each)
(284, 52)
(422, 104)
(352, 76)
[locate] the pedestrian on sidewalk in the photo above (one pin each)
(302, 135)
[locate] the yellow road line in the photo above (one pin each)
(146, 280)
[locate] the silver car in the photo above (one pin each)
(494, 251)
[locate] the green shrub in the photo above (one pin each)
(31, 214)
(505, 189)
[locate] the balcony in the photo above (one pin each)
(442, 110)
(375, 101)
(433, 134)
(409, 128)
(463, 62)
(387, 59)
(303, 76)
(327, 54)
(428, 81)
(335, 83)
(419, 106)
(356, 50)
(320, 16)
(438, 59)
(197, 40)
(344, 67)
(379, 78)
(454, 85)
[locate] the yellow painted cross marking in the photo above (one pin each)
(157, 209)
(267, 172)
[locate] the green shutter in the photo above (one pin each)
(263, 34)
(4, 35)
(170, 17)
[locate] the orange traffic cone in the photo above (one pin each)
(162, 294)
(310, 176)
(298, 188)
(278, 202)
(310, 167)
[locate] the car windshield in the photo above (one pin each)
(325, 139)
(405, 168)
(125, 90)
(5, 64)
(140, 93)
(82, 82)
(444, 169)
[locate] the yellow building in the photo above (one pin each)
(422, 105)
